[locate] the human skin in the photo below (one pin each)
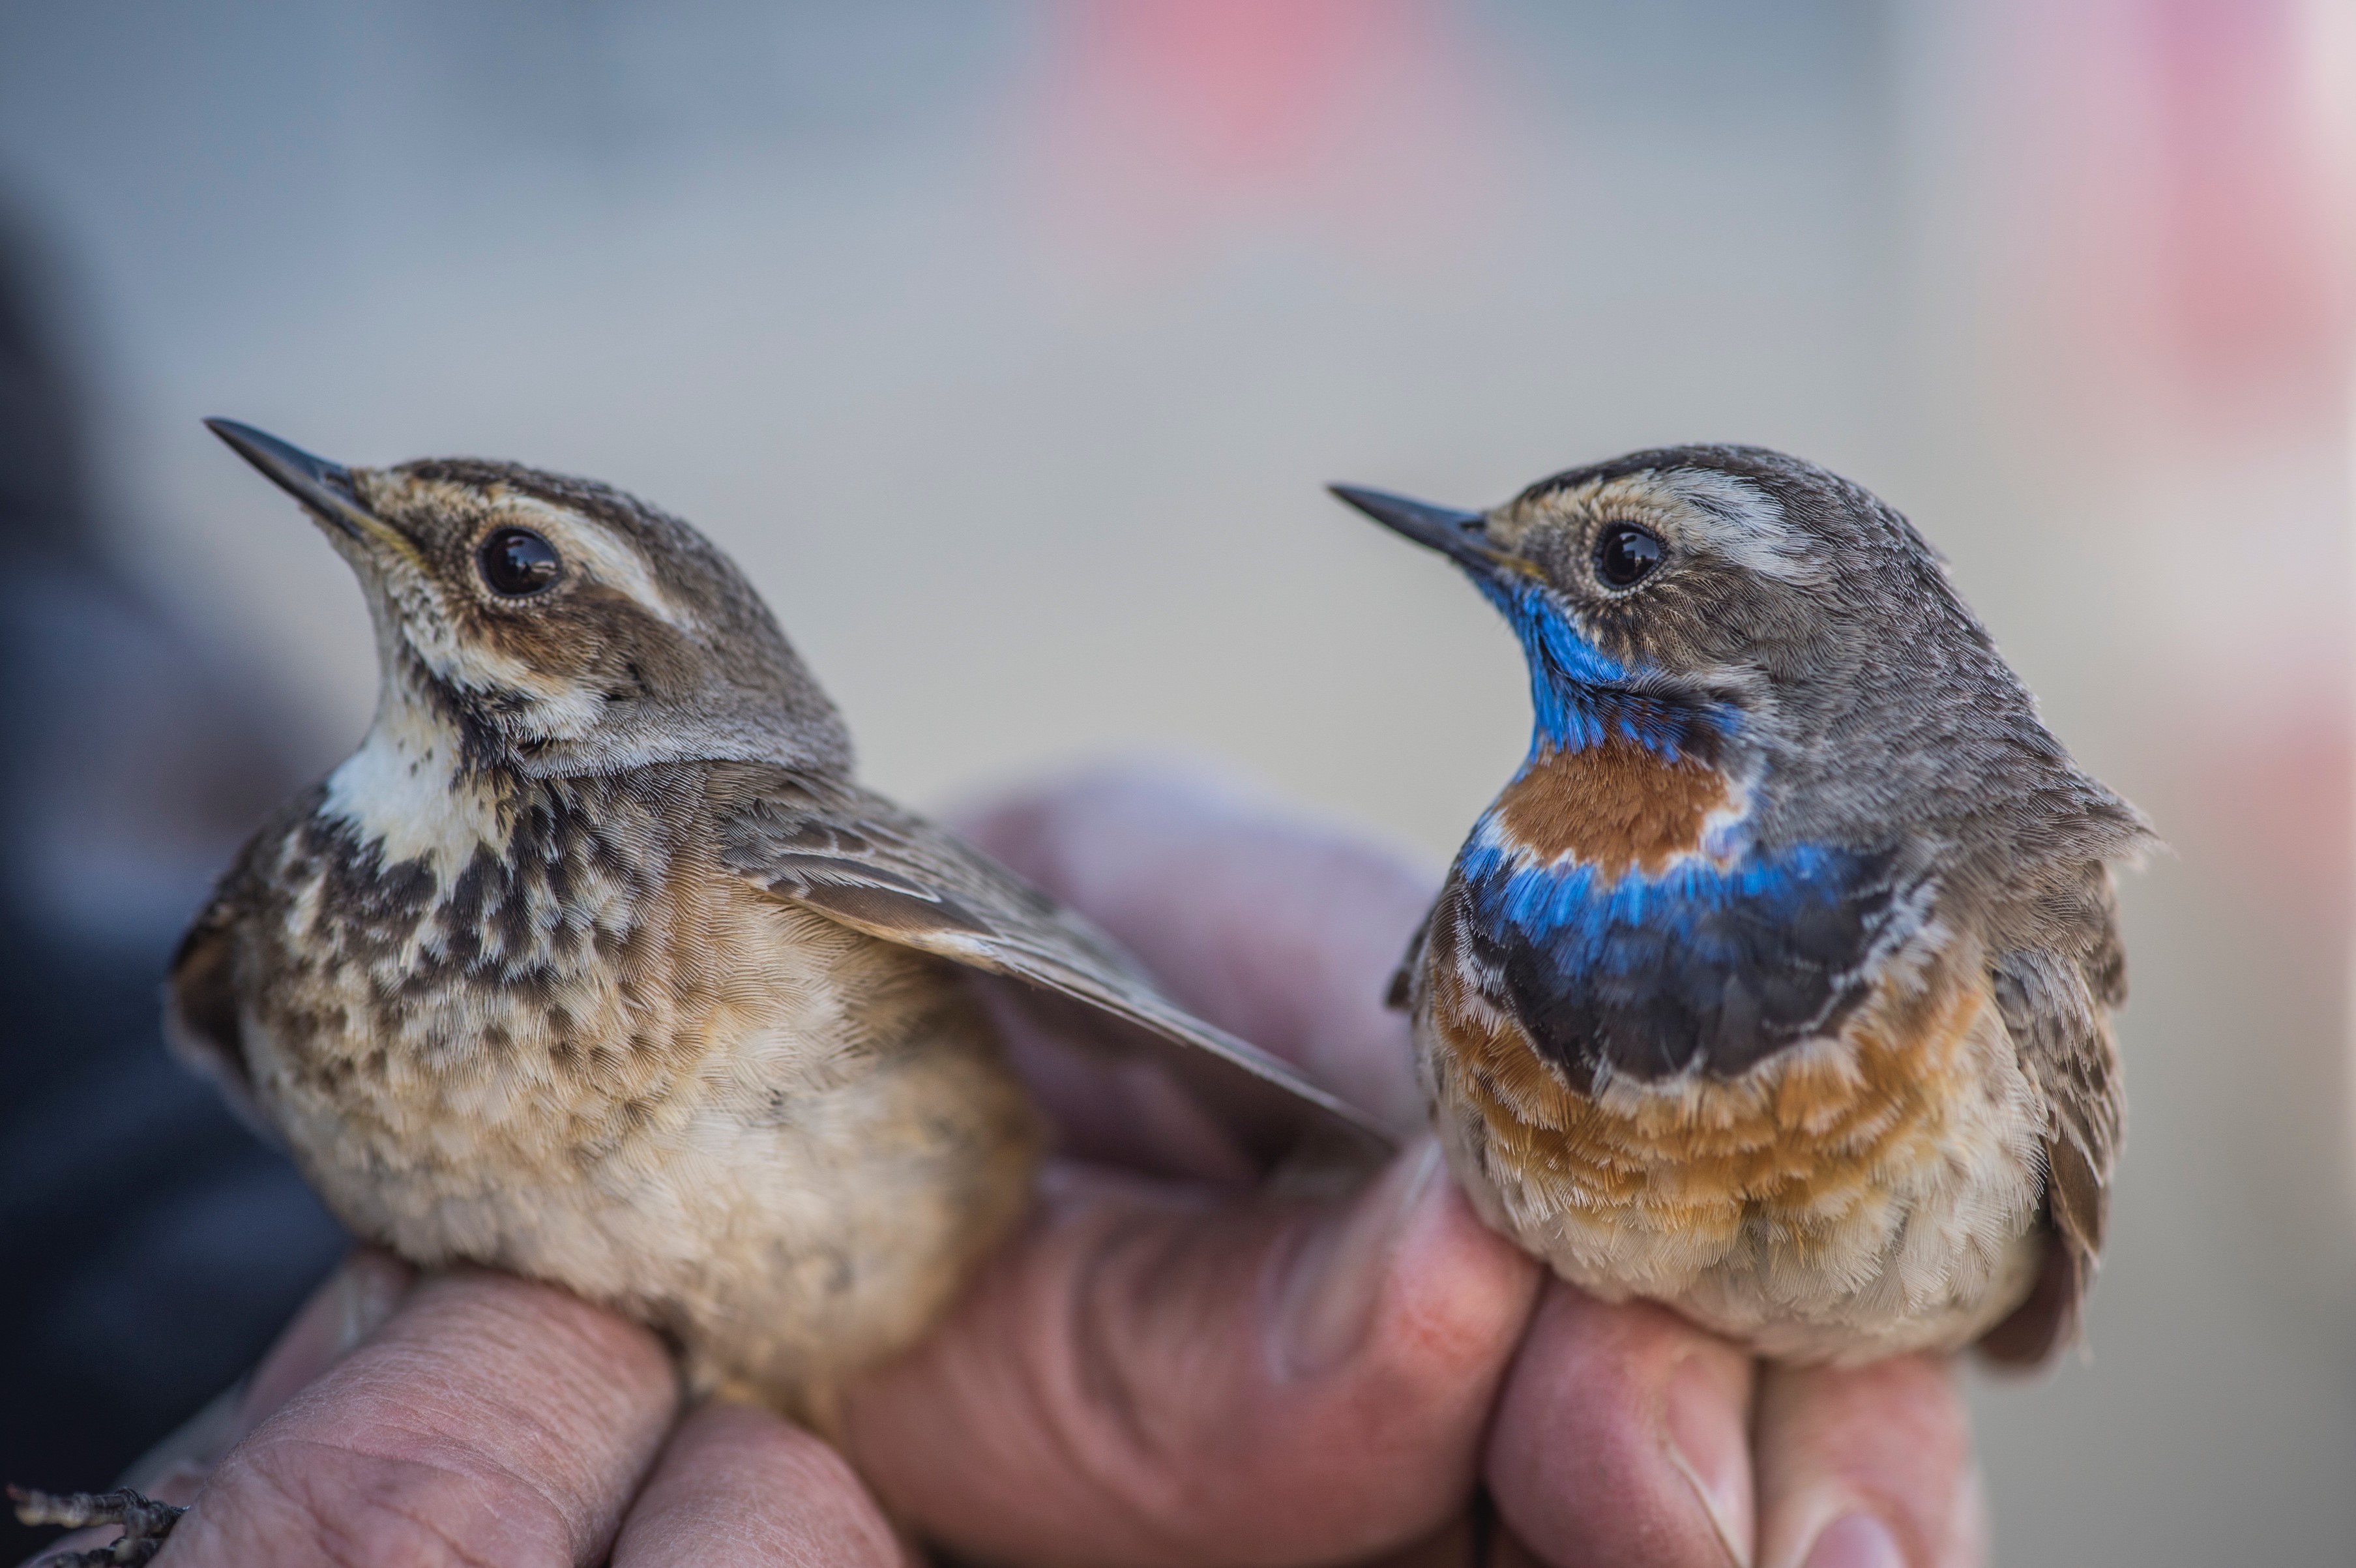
(1165, 1365)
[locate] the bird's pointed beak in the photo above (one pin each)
(325, 489)
(1462, 536)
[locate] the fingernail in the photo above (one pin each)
(1327, 1298)
(367, 1288)
(1703, 1428)
(1858, 1541)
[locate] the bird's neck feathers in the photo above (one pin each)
(414, 791)
(1581, 698)
(1626, 776)
(1615, 807)
(436, 779)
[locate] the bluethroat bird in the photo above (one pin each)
(593, 963)
(1776, 984)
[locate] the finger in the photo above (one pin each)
(488, 1419)
(345, 1308)
(1867, 1467)
(350, 1304)
(353, 1302)
(737, 1485)
(1473, 1539)
(1144, 1377)
(1622, 1438)
(1285, 931)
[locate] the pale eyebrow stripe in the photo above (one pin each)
(608, 560)
(1732, 516)
(1745, 524)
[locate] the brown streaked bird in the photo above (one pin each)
(1777, 985)
(593, 963)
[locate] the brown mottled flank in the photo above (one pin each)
(1614, 806)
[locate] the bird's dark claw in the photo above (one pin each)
(146, 1523)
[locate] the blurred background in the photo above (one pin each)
(1008, 347)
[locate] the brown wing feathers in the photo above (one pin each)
(2057, 1025)
(201, 1023)
(858, 858)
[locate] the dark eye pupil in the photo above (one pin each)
(1625, 555)
(516, 562)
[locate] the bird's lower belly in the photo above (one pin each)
(1851, 1197)
(789, 1207)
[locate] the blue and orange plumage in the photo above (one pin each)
(1774, 986)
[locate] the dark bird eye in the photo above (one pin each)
(1625, 555)
(517, 562)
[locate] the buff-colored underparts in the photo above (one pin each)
(1851, 1198)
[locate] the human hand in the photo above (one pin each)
(1154, 1371)
(477, 1418)
(1621, 1433)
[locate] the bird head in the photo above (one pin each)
(556, 627)
(1697, 599)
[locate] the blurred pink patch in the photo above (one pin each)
(1169, 128)
(2181, 230)
(2257, 282)
(2188, 215)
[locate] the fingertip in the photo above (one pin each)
(485, 1409)
(1704, 1427)
(354, 1302)
(1458, 1295)
(471, 1318)
(1402, 1277)
(1343, 1261)
(1623, 1436)
(1147, 1376)
(734, 1484)
(1867, 1467)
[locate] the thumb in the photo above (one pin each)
(1150, 1376)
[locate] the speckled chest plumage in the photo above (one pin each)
(546, 1031)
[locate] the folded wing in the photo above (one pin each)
(880, 869)
(2056, 1010)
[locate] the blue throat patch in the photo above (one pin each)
(1578, 697)
(1721, 958)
